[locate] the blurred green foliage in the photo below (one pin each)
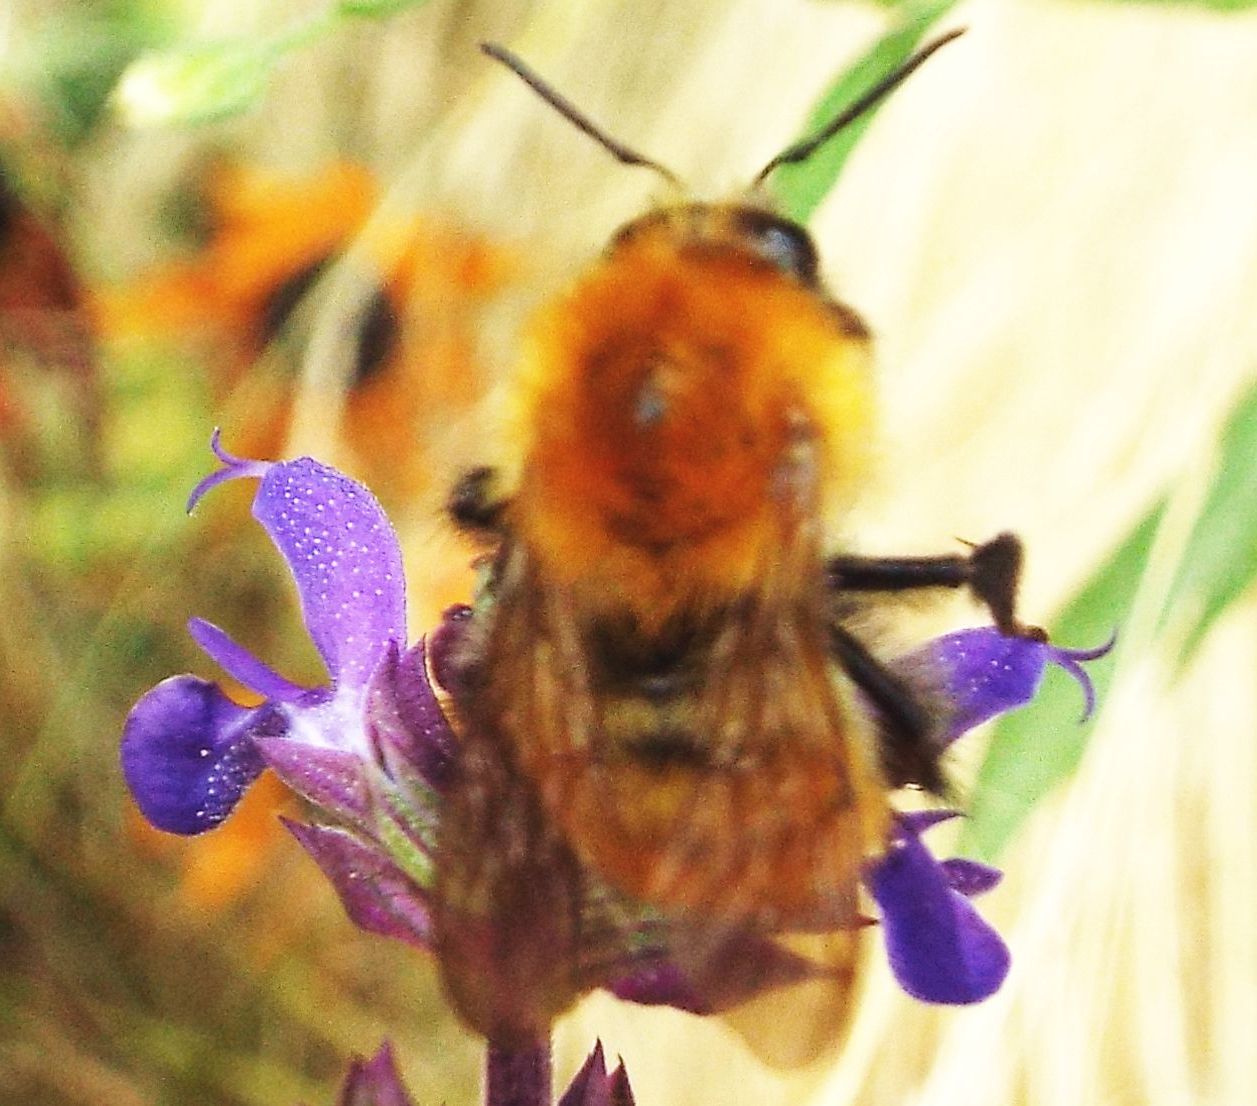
(204, 82)
(1035, 749)
(801, 188)
(70, 59)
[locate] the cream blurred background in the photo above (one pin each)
(1052, 230)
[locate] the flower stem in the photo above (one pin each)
(517, 1077)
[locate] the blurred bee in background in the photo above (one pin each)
(659, 686)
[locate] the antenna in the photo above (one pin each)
(572, 113)
(805, 148)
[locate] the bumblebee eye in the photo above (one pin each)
(783, 244)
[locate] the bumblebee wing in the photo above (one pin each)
(788, 996)
(773, 830)
(731, 774)
(778, 814)
(791, 1028)
(732, 785)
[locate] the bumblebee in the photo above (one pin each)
(659, 688)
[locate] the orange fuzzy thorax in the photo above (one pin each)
(688, 407)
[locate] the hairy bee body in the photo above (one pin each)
(664, 720)
(655, 659)
(687, 411)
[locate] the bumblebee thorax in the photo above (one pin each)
(685, 397)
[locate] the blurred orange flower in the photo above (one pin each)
(272, 239)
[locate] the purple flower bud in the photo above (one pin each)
(374, 1082)
(594, 1086)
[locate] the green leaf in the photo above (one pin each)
(70, 57)
(1220, 561)
(196, 84)
(801, 188)
(1215, 5)
(1038, 747)
(376, 9)
(207, 82)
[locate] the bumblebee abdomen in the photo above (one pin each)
(716, 764)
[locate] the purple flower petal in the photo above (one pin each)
(188, 755)
(344, 557)
(592, 1086)
(939, 947)
(331, 779)
(240, 664)
(970, 877)
(341, 550)
(408, 725)
(983, 673)
(234, 468)
(377, 895)
(374, 1082)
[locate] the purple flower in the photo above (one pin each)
(372, 751)
(982, 673)
(939, 947)
(369, 748)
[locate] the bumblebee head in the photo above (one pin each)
(761, 236)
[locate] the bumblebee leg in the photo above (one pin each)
(908, 752)
(990, 572)
(473, 505)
